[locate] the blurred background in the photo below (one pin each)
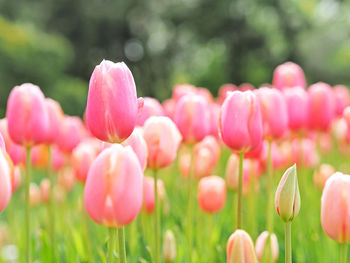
(57, 43)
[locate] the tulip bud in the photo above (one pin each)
(335, 209)
(287, 199)
(261, 243)
(240, 248)
(169, 246)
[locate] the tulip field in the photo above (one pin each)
(243, 176)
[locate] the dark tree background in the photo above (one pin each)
(57, 43)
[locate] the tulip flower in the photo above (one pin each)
(139, 146)
(261, 249)
(169, 247)
(274, 112)
(181, 90)
(342, 99)
(107, 120)
(211, 194)
(335, 211)
(148, 193)
(163, 139)
(241, 130)
(71, 133)
(5, 180)
(322, 174)
(66, 178)
(27, 115)
(224, 91)
(28, 125)
(321, 106)
(240, 248)
(45, 189)
(298, 108)
(151, 107)
(34, 194)
(246, 87)
(82, 157)
(169, 107)
(288, 75)
(287, 203)
(113, 192)
(56, 115)
(39, 156)
(192, 117)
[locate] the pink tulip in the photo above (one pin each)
(246, 87)
(305, 150)
(342, 99)
(27, 116)
(148, 193)
(181, 90)
(139, 146)
(224, 91)
(321, 106)
(151, 107)
(274, 112)
(113, 190)
(5, 180)
(322, 174)
(169, 107)
(192, 117)
(45, 188)
(298, 108)
(206, 94)
(214, 119)
(82, 157)
(240, 121)
(71, 132)
(260, 246)
(55, 113)
(16, 180)
(163, 139)
(58, 158)
(112, 105)
(277, 157)
(240, 248)
(288, 75)
(211, 194)
(335, 208)
(15, 151)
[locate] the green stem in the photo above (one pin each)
(27, 188)
(87, 234)
(240, 197)
(269, 212)
(121, 239)
(343, 253)
(288, 242)
(51, 206)
(189, 211)
(156, 217)
(111, 244)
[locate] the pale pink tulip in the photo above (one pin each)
(45, 188)
(260, 246)
(211, 194)
(335, 208)
(274, 112)
(321, 106)
(240, 121)
(5, 180)
(27, 116)
(113, 190)
(58, 158)
(181, 90)
(66, 178)
(169, 107)
(342, 99)
(139, 146)
(34, 194)
(192, 117)
(322, 174)
(148, 193)
(240, 248)
(112, 104)
(151, 107)
(298, 108)
(71, 133)
(288, 75)
(163, 139)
